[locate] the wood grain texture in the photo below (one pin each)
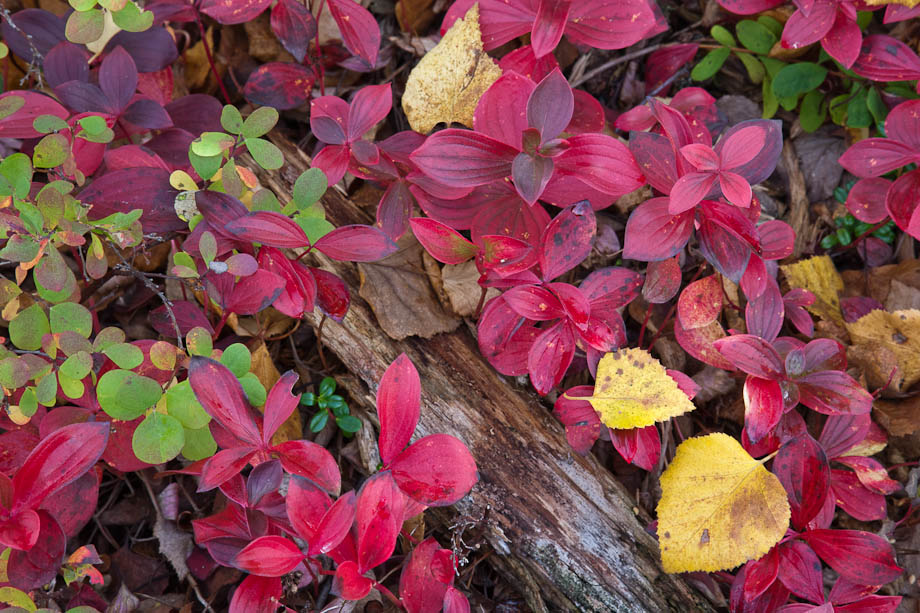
(556, 520)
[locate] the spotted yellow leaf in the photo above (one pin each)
(633, 390)
(719, 507)
(447, 83)
(908, 3)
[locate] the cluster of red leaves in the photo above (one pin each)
(357, 530)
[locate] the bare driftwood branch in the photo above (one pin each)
(562, 524)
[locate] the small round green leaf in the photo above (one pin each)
(158, 439)
(310, 187)
(710, 64)
(348, 423)
(237, 358)
(28, 327)
(125, 355)
(254, 389)
(199, 444)
(796, 79)
(755, 36)
(46, 124)
(77, 366)
(723, 36)
(198, 342)
(260, 122)
(231, 119)
(125, 395)
(182, 404)
(318, 421)
(71, 316)
(813, 111)
(266, 154)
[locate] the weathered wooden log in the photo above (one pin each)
(560, 522)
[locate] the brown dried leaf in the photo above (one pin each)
(461, 284)
(899, 417)
(446, 84)
(398, 291)
(899, 333)
(414, 16)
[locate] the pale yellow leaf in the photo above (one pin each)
(909, 3)
(719, 507)
(447, 83)
(818, 276)
(633, 390)
(897, 332)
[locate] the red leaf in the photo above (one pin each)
(531, 174)
(58, 459)
(332, 295)
(550, 106)
(842, 42)
(534, 302)
(282, 85)
(370, 105)
(398, 407)
(763, 407)
(294, 25)
(356, 243)
(653, 233)
(764, 314)
(307, 459)
(871, 604)
(639, 446)
(31, 569)
(861, 557)
(74, 504)
(349, 583)
(257, 595)
(689, 190)
(306, 505)
(832, 392)
(753, 355)
(764, 160)
(871, 473)
(601, 162)
(506, 255)
(665, 62)
(19, 124)
(760, 574)
(328, 119)
(901, 202)
(462, 158)
(420, 587)
(492, 116)
(588, 115)
(379, 517)
(883, 58)
(749, 7)
(567, 240)
(251, 294)
(502, 339)
(873, 157)
(853, 497)
(441, 241)
(237, 11)
(360, 32)
(612, 24)
(222, 466)
(777, 239)
(700, 303)
(662, 280)
(437, 470)
(20, 531)
(221, 395)
(842, 432)
(269, 556)
(802, 468)
(824, 354)
(279, 405)
(548, 26)
(574, 303)
(803, 29)
(582, 424)
(550, 356)
(147, 189)
(800, 571)
(334, 525)
(269, 228)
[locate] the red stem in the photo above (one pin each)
(648, 313)
(671, 311)
(319, 52)
(207, 52)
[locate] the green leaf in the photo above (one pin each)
(199, 444)
(71, 316)
(17, 169)
(796, 79)
(108, 336)
(72, 388)
(16, 598)
(230, 180)
(774, 25)
(50, 151)
(82, 5)
(756, 71)
(198, 342)
(125, 395)
(313, 227)
(266, 154)
(46, 390)
(327, 386)
(212, 143)
(28, 327)
(876, 105)
(265, 200)
(838, 109)
(253, 388)
(28, 402)
(182, 404)
(93, 124)
(158, 439)
(858, 115)
(844, 236)
(318, 421)
(207, 245)
(755, 36)
(125, 355)
(309, 187)
(864, 18)
(205, 166)
(307, 399)
(260, 122)
(231, 119)
(46, 124)
(14, 372)
(85, 27)
(770, 102)
(32, 218)
(77, 366)
(710, 64)
(133, 19)
(54, 280)
(237, 358)
(348, 423)
(789, 102)
(813, 111)
(723, 36)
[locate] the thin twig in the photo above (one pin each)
(613, 62)
(150, 285)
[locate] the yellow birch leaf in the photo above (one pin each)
(908, 3)
(719, 507)
(633, 390)
(818, 276)
(263, 367)
(447, 83)
(16, 598)
(898, 332)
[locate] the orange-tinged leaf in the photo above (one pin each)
(719, 507)
(633, 390)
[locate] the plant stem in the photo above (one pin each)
(613, 62)
(207, 52)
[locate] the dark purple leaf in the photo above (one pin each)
(281, 85)
(148, 189)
